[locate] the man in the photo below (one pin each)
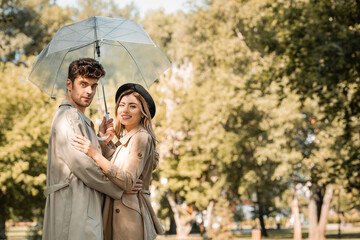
(75, 184)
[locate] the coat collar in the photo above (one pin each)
(124, 140)
(68, 103)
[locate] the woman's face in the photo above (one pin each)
(129, 112)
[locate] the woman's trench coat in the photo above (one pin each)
(75, 184)
(132, 217)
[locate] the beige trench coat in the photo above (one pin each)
(132, 217)
(75, 184)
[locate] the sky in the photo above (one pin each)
(169, 6)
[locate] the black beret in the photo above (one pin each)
(142, 91)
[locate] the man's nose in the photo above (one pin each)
(89, 90)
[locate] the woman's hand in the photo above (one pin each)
(137, 187)
(84, 145)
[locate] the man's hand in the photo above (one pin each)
(107, 128)
(137, 187)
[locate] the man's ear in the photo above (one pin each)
(69, 85)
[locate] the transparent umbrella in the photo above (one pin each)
(122, 46)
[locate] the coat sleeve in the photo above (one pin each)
(107, 150)
(79, 164)
(138, 153)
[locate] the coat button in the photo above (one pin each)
(117, 210)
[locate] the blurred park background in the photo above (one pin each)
(258, 119)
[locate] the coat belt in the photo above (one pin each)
(142, 201)
(56, 187)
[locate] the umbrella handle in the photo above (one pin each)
(105, 137)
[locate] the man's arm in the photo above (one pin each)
(125, 178)
(81, 165)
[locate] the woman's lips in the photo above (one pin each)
(125, 116)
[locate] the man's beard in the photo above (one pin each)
(83, 104)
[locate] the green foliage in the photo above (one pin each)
(218, 137)
(318, 42)
(225, 219)
(25, 120)
(259, 91)
(26, 26)
(106, 8)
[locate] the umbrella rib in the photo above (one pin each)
(135, 63)
(84, 41)
(57, 72)
(115, 28)
(83, 35)
(128, 34)
(133, 31)
(39, 87)
(74, 31)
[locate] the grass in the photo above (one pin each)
(283, 234)
(287, 234)
(352, 233)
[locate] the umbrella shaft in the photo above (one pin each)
(97, 49)
(103, 90)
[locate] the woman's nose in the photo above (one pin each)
(125, 109)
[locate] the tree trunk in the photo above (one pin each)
(325, 208)
(262, 222)
(296, 215)
(2, 216)
(209, 212)
(313, 219)
(2, 227)
(318, 216)
(176, 213)
(172, 229)
(182, 228)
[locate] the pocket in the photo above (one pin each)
(93, 210)
(93, 226)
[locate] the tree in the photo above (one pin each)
(318, 42)
(105, 8)
(26, 26)
(315, 47)
(207, 109)
(25, 120)
(25, 117)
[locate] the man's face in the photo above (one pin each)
(82, 91)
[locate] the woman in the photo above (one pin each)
(131, 217)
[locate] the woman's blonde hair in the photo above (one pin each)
(145, 121)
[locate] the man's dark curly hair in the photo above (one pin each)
(85, 67)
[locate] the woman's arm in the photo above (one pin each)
(126, 179)
(82, 144)
(138, 153)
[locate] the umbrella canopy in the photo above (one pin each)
(123, 47)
